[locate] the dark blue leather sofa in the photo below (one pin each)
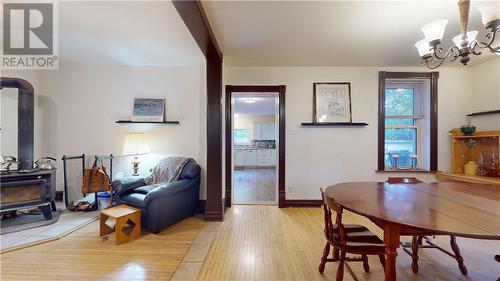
(161, 204)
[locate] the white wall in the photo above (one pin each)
(485, 94)
(318, 157)
(8, 121)
(83, 102)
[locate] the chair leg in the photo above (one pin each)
(382, 260)
(340, 270)
(336, 254)
(458, 257)
(414, 253)
(420, 240)
(366, 266)
(326, 251)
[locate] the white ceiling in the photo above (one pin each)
(330, 33)
(264, 104)
(125, 33)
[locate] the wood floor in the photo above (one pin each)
(267, 243)
(254, 243)
(82, 255)
(254, 186)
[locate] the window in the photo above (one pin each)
(400, 126)
(407, 121)
(241, 136)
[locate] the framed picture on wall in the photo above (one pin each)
(151, 110)
(332, 102)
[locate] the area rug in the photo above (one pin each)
(66, 223)
(26, 221)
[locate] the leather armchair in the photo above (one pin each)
(161, 205)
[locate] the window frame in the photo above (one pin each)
(433, 114)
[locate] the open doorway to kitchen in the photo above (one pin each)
(255, 145)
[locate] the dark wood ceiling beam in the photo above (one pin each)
(193, 15)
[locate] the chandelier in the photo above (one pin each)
(433, 55)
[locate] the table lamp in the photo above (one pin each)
(135, 145)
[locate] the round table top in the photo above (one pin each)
(461, 209)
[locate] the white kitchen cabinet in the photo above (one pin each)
(257, 130)
(266, 157)
(239, 157)
(251, 157)
(268, 131)
(264, 131)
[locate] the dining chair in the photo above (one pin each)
(349, 238)
(417, 240)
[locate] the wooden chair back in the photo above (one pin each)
(328, 205)
(394, 180)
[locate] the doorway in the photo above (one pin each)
(255, 145)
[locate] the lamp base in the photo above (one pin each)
(135, 167)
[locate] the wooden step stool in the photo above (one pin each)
(128, 223)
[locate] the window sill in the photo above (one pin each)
(391, 170)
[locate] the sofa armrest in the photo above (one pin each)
(168, 190)
(124, 185)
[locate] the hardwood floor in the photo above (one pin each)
(254, 243)
(267, 243)
(82, 255)
(254, 186)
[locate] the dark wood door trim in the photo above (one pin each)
(194, 17)
(433, 77)
(281, 89)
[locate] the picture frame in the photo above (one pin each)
(148, 110)
(332, 102)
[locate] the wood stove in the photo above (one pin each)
(26, 187)
(24, 190)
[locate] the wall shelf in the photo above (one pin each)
(147, 122)
(472, 179)
(337, 124)
(484, 113)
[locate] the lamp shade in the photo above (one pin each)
(135, 144)
(490, 11)
(434, 30)
(460, 42)
(423, 48)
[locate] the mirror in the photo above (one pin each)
(8, 122)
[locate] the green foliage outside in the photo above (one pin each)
(399, 102)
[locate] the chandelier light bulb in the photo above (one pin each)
(423, 48)
(460, 42)
(434, 31)
(490, 14)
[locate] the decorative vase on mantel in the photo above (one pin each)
(482, 169)
(470, 169)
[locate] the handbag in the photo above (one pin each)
(96, 178)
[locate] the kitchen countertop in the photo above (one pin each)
(251, 147)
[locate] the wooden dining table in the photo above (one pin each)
(442, 208)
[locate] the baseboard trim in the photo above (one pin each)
(303, 203)
(214, 216)
(59, 196)
(217, 215)
(201, 206)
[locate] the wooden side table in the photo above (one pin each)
(128, 223)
